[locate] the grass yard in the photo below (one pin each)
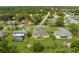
(51, 44)
(47, 42)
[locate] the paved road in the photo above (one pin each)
(37, 26)
(42, 22)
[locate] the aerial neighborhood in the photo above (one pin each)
(39, 29)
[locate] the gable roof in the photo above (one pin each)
(19, 33)
(11, 22)
(70, 19)
(55, 17)
(26, 21)
(39, 33)
(62, 32)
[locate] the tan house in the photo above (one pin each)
(39, 33)
(26, 22)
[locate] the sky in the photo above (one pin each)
(39, 2)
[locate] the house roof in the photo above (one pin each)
(67, 16)
(40, 33)
(62, 32)
(19, 33)
(70, 19)
(55, 17)
(11, 22)
(26, 21)
(3, 34)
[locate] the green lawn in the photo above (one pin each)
(47, 42)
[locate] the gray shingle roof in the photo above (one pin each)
(63, 32)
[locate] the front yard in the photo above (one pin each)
(50, 44)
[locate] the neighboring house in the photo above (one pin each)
(63, 34)
(11, 22)
(26, 22)
(69, 19)
(55, 17)
(19, 35)
(39, 33)
(3, 34)
(2, 22)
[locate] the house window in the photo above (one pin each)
(63, 36)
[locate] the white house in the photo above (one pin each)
(55, 17)
(70, 19)
(11, 22)
(63, 34)
(19, 35)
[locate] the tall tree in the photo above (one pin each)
(74, 28)
(37, 47)
(60, 22)
(6, 48)
(75, 46)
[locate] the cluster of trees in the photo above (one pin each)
(6, 48)
(37, 19)
(24, 10)
(75, 46)
(74, 28)
(37, 47)
(1, 27)
(60, 22)
(7, 13)
(6, 17)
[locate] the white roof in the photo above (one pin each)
(70, 19)
(55, 17)
(19, 33)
